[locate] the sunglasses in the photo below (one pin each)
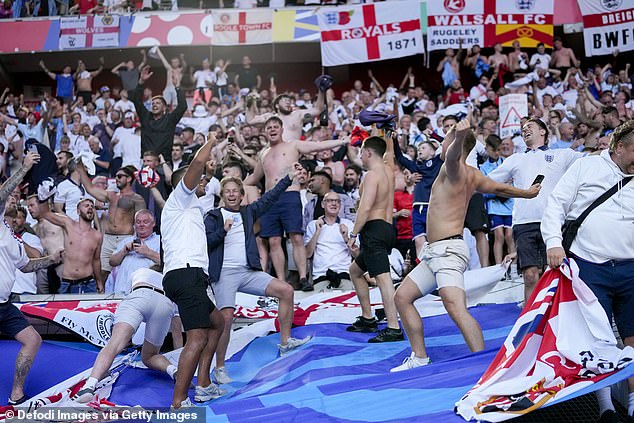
(121, 175)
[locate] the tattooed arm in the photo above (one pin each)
(7, 188)
(36, 264)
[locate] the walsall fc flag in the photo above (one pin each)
(369, 32)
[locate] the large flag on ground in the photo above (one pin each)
(369, 32)
(89, 31)
(486, 22)
(561, 343)
(243, 27)
(608, 25)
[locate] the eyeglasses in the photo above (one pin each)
(121, 175)
(332, 200)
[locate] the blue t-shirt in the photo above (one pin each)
(64, 85)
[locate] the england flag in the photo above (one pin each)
(562, 342)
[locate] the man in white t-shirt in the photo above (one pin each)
(13, 256)
(25, 283)
(522, 169)
(124, 105)
(185, 282)
(204, 79)
(126, 143)
(326, 242)
(540, 59)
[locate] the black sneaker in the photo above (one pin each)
(388, 335)
(306, 285)
(364, 325)
(608, 416)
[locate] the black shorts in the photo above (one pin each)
(188, 289)
(476, 218)
(12, 321)
(377, 240)
(531, 250)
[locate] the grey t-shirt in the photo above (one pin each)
(129, 79)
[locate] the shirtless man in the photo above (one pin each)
(518, 60)
(286, 214)
(446, 257)
(498, 58)
(122, 207)
(562, 57)
(293, 121)
(378, 237)
(52, 237)
(175, 69)
(82, 243)
(84, 80)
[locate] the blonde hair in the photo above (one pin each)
(231, 179)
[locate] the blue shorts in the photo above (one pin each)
(497, 220)
(419, 220)
(84, 286)
(12, 321)
(284, 216)
(613, 285)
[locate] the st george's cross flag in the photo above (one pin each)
(369, 32)
(233, 27)
(562, 342)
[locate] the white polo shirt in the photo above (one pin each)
(133, 261)
(183, 231)
(522, 168)
(12, 257)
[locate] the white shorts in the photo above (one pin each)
(145, 305)
(442, 264)
(108, 247)
(234, 279)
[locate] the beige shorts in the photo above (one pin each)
(108, 247)
(442, 264)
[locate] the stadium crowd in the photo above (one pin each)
(278, 173)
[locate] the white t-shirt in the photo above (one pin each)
(12, 256)
(78, 144)
(522, 168)
(99, 103)
(199, 125)
(331, 251)
(133, 261)
(212, 189)
(221, 77)
(203, 77)
(69, 194)
(124, 106)
(183, 231)
(235, 250)
(540, 61)
(26, 283)
(128, 147)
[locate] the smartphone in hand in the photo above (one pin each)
(538, 180)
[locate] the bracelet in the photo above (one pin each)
(353, 235)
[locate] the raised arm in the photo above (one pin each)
(388, 156)
(8, 120)
(58, 219)
(197, 165)
(374, 81)
(164, 61)
(48, 72)
(115, 70)
(10, 184)
(143, 60)
(98, 193)
(453, 153)
(99, 69)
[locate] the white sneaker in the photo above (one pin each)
(292, 344)
(221, 375)
(411, 362)
(212, 391)
(186, 403)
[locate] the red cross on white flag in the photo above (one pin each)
(369, 32)
(243, 27)
(89, 31)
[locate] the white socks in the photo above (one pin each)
(91, 382)
(630, 404)
(171, 369)
(604, 398)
